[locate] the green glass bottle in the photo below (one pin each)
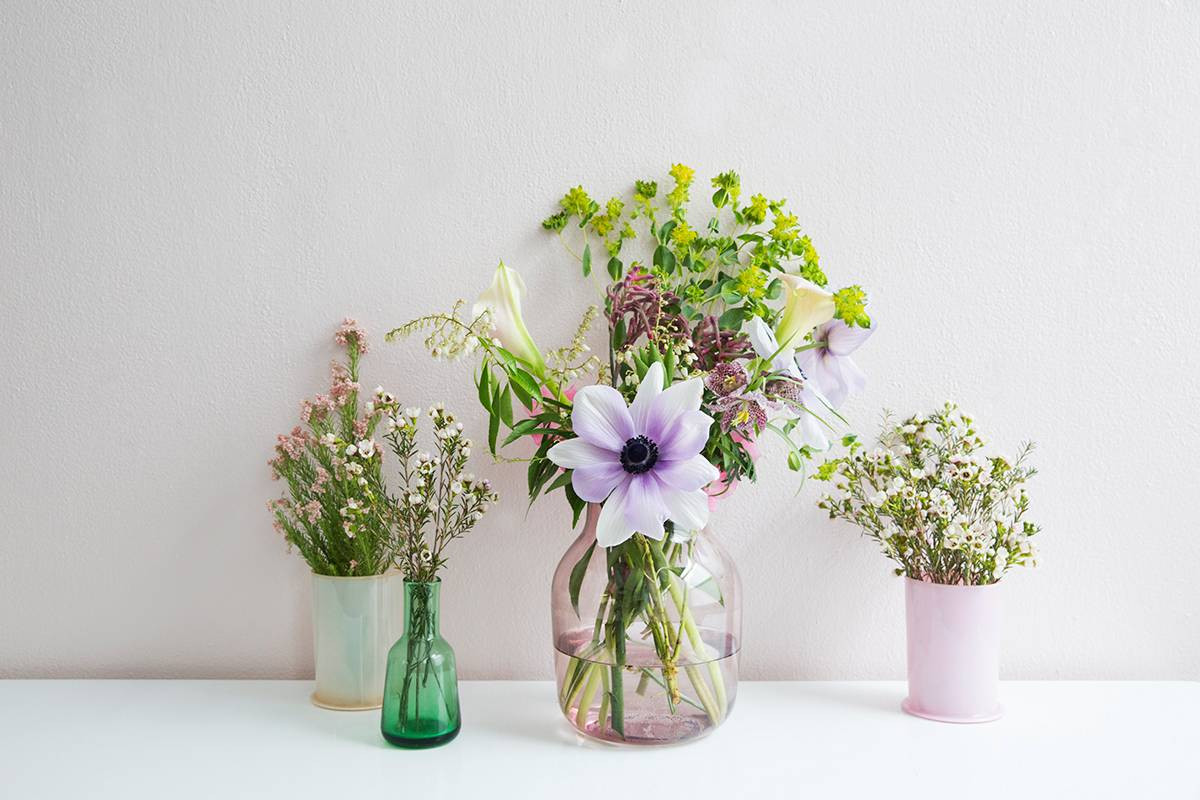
(420, 693)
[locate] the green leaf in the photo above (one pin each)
(618, 334)
(577, 574)
(505, 406)
(587, 260)
(732, 319)
(522, 395)
(720, 198)
(526, 381)
(522, 428)
(559, 482)
(793, 461)
(485, 388)
(493, 431)
(577, 504)
(615, 268)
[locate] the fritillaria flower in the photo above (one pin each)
(642, 461)
(830, 366)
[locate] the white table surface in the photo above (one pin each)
(232, 739)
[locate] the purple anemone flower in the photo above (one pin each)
(830, 366)
(644, 459)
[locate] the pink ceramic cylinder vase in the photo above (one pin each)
(953, 651)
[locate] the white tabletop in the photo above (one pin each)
(229, 739)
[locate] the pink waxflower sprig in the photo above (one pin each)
(338, 511)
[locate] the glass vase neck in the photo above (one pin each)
(422, 608)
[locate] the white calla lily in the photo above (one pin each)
(808, 306)
(503, 301)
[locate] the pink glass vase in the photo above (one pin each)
(953, 651)
(646, 636)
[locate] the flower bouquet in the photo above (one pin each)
(716, 333)
(952, 518)
(372, 553)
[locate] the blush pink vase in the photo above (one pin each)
(953, 651)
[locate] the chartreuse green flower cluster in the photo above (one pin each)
(733, 259)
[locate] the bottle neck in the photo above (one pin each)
(422, 609)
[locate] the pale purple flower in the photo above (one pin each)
(830, 366)
(642, 461)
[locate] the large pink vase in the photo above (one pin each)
(953, 651)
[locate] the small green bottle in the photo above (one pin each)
(420, 693)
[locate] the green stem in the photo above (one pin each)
(589, 695)
(693, 633)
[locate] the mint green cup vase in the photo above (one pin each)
(420, 694)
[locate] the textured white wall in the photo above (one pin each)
(192, 195)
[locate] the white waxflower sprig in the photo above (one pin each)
(938, 506)
(438, 500)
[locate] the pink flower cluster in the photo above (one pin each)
(350, 333)
(288, 445)
(318, 486)
(311, 510)
(341, 386)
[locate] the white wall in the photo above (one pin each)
(192, 195)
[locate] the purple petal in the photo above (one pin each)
(600, 417)
(823, 376)
(686, 437)
(645, 510)
(594, 483)
(688, 510)
(575, 453)
(650, 388)
(687, 475)
(611, 528)
(844, 339)
(853, 378)
(677, 399)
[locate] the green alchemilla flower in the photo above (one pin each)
(682, 174)
(683, 235)
(502, 300)
(756, 212)
(850, 305)
(577, 202)
(752, 282)
(785, 228)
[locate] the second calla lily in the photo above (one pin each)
(503, 300)
(808, 306)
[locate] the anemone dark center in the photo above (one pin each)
(638, 455)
